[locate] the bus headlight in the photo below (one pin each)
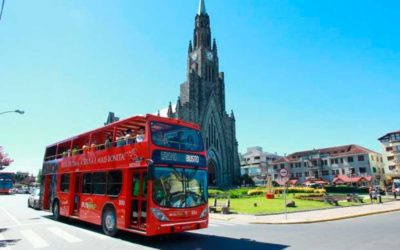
(204, 213)
(159, 215)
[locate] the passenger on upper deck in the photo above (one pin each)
(108, 142)
(93, 146)
(85, 147)
(75, 150)
(129, 138)
(140, 135)
(121, 140)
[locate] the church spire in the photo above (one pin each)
(202, 8)
(190, 47)
(214, 47)
(202, 32)
(170, 112)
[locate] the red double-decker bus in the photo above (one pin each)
(145, 174)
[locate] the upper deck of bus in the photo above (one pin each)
(55, 150)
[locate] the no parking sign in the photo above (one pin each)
(283, 172)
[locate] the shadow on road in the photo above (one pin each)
(198, 242)
(185, 241)
(6, 243)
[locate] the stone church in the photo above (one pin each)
(202, 101)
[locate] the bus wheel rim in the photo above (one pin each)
(56, 209)
(110, 221)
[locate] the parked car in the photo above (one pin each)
(33, 200)
(22, 190)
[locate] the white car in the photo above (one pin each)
(34, 199)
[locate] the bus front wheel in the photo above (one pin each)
(109, 222)
(56, 211)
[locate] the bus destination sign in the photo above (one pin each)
(168, 157)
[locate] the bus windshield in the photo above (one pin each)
(177, 137)
(179, 187)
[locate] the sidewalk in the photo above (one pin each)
(312, 216)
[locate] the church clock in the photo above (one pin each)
(210, 55)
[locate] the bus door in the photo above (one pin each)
(77, 193)
(138, 214)
(49, 190)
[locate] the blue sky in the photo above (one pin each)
(299, 74)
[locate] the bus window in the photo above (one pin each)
(64, 183)
(135, 184)
(177, 137)
(87, 183)
(114, 182)
(99, 183)
(50, 153)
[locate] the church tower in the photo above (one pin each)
(202, 101)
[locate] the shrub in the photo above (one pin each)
(294, 190)
(319, 191)
(238, 193)
(254, 192)
(214, 193)
(346, 189)
(307, 196)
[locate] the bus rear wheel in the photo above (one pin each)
(109, 222)
(56, 211)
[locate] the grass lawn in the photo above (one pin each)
(270, 206)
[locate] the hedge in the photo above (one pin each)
(346, 189)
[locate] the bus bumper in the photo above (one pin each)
(177, 227)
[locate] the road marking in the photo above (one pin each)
(97, 235)
(28, 224)
(11, 216)
(222, 223)
(64, 235)
(5, 247)
(34, 239)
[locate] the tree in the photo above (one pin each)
(39, 176)
(246, 180)
(5, 161)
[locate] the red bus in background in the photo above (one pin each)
(118, 177)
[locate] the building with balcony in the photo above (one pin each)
(257, 164)
(329, 163)
(391, 153)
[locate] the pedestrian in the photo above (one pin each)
(378, 195)
(394, 191)
(370, 191)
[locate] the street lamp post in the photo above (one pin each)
(13, 111)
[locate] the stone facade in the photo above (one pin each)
(202, 101)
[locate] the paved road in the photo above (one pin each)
(23, 228)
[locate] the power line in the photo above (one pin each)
(2, 7)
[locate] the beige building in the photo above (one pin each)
(352, 161)
(391, 153)
(257, 164)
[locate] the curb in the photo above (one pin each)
(326, 220)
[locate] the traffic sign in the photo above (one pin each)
(283, 172)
